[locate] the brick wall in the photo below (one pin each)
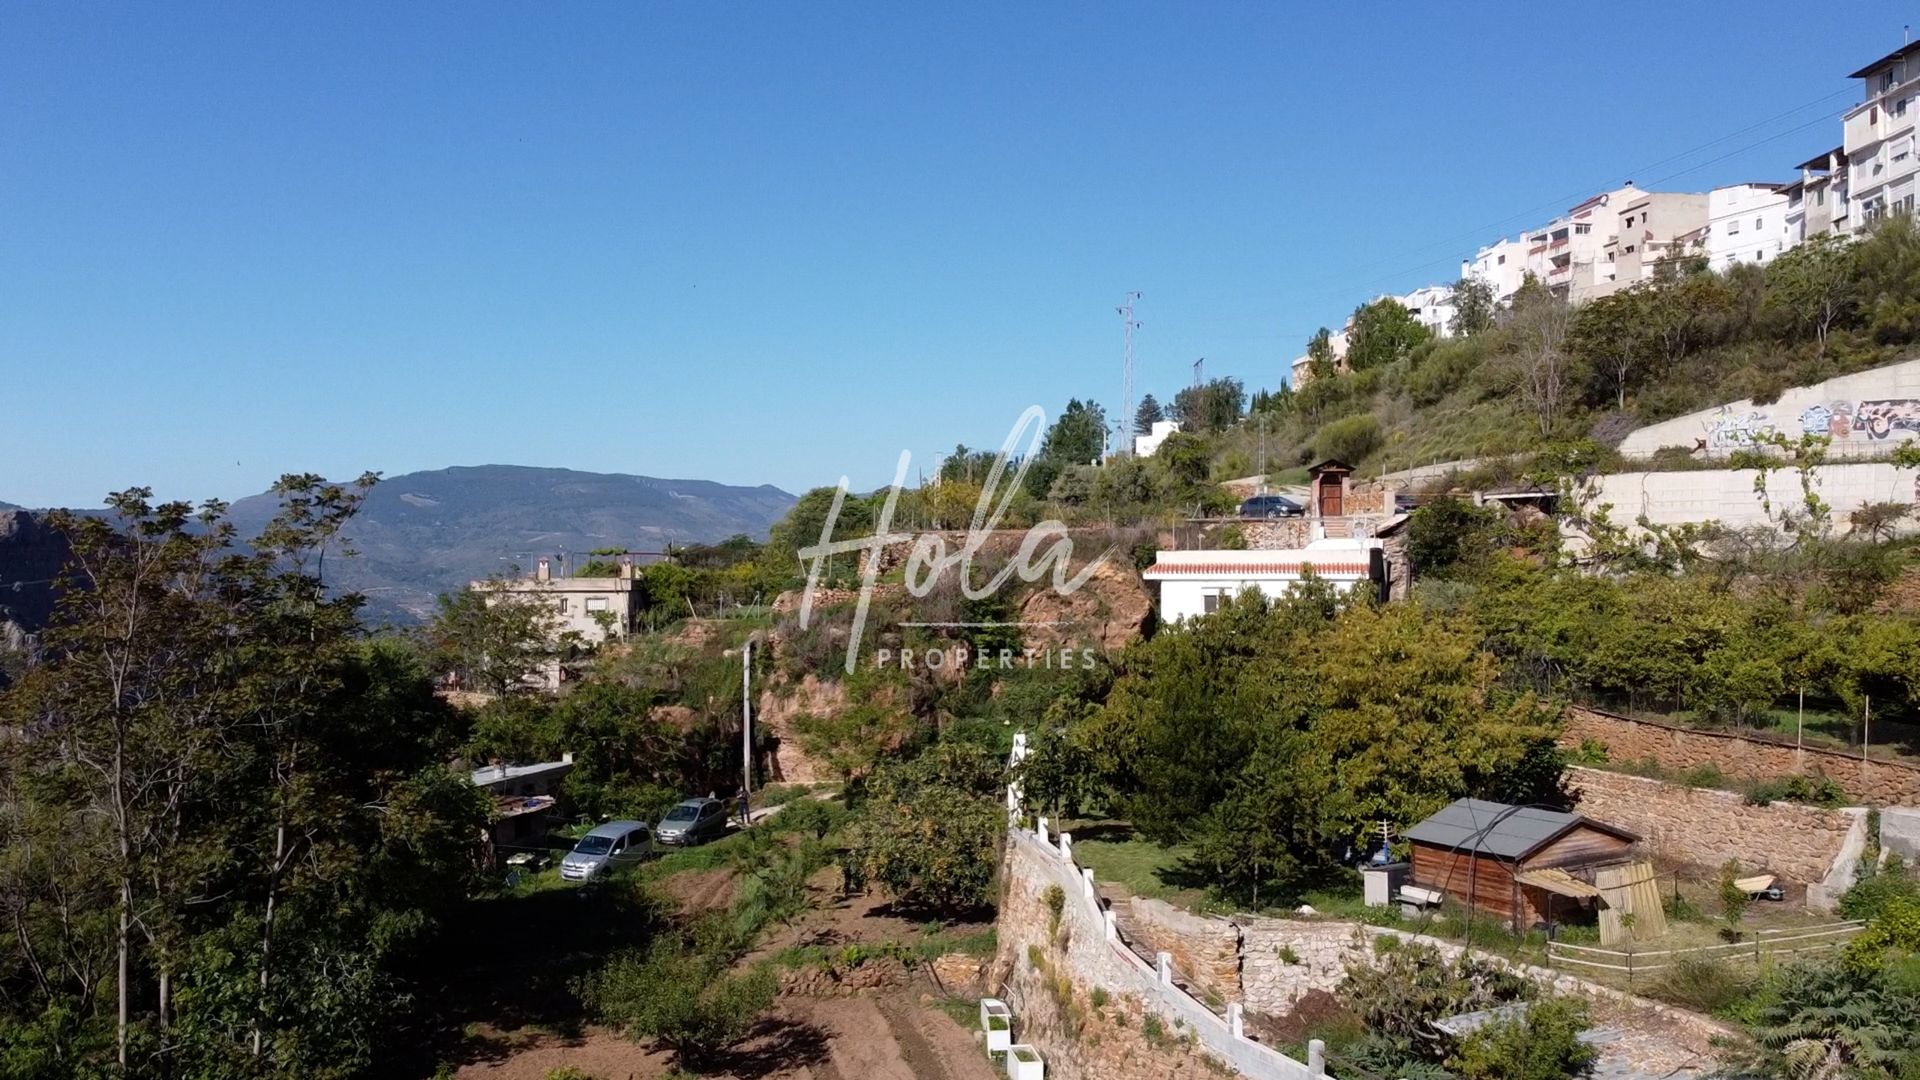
(1879, 783)
(1806, 845)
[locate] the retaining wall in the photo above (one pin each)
(1806, 845)
(1875, 782)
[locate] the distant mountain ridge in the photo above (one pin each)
(423, 533)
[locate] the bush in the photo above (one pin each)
(1703, 984)
(1876, 889)
(1542, 1046)
(1350, 439)
(684, 999)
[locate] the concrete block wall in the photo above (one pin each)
(1842, 409)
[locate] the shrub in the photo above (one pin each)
(1542, 1046)
(1350, 439)
(1876, 889)
(1703, 984)
(1056, 901)
(1733, 898)
(684, 999)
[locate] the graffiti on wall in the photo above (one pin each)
(1841, 421)
(1733, 429)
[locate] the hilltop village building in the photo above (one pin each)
(1617, 239)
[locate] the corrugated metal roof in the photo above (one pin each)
(1468, 825)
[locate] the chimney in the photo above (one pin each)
(543, 570)
(626, 568)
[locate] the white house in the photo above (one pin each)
(1432, 307)
(1193, 583)
(595, 608)
(1747, 223)
(1502, 264)
(1146, 445)
(1878, 137)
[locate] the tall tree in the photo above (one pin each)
(1383, 332)
(1812, 286)
(1214, 405)
(1473, 304)
(1078, 437)
(1148, 414)
(1541, 360)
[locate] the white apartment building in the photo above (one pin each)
(1502, 264)
(1747, 223)
(1432, 307)
(1878, 137)
(1817, 203)
(1567, 254)
(1149, 444)
(1650, 227)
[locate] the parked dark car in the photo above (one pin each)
(1405, 504)
(694, 821)
(1270, 506)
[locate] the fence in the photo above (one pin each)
(1766, 945)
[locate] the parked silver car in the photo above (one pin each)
(617, 843)
(694, 821)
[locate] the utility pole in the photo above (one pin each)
(1128, 322)
(746, 717)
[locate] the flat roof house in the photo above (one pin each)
(1194, 583)
(523, 800)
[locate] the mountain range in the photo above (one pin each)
(423, 533)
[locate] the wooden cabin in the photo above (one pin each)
(1526, 865)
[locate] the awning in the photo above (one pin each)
(1557, 881)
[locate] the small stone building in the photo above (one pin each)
(1526, 865)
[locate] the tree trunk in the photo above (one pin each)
(266, 932)
(124, 933)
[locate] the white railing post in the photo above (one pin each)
(1164, 961)
(1316, 1057)
(1066, 846)
(1236, 1020)
(1086, 882)
(1040, 830)
(1112, 930)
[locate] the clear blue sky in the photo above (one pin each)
(772, 243)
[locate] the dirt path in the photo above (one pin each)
(876, 1037)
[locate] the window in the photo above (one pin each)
(1210, 603)
(596, 603)
(1582, 229)
(1629, 221)
(1733, 228)
(1899, 108)
(1502, 261)
(1629, 249)
(1759, 223)
(561, 604)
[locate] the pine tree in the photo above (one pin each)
(1147, 415)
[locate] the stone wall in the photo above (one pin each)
(1050, 968)
(1205, 951)
(1806, 845)
(1877, 783)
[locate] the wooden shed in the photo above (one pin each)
(1526, 865)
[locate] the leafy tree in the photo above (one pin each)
(1215, 405)
(1886, 265)
(1448, 533)
(1879, 520)
(1078, 437)
(1609, 335)
(1383, 332)
(1830, 1020)
(496, 639)
(1473, 304)
(854, 739)
(1148, 414)
(1321, 362)
(930, 830)
(1811, 285)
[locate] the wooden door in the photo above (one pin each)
(1330, 501)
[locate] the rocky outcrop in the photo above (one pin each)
(780, 703)
(1111, 611)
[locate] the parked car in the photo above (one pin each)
(694, 821)
(1270, 506)
(1405, 504)
(617, 843)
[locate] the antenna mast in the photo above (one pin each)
(1126, 393)
(1198, 371)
